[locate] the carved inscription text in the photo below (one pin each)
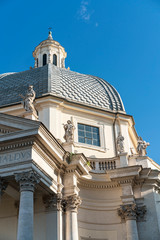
(14, 157)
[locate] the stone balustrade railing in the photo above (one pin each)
(103, 165)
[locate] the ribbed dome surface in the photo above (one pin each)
(72, 86)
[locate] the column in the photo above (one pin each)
(27, 181)
(53, 217)
(71, 204)
(128, 213)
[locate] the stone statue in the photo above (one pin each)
(28, 99)
(69, 128)
(141, 147)
(120, 143)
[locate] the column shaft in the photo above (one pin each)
(131, 227)
(71, 226)
(53, 217)
(71, 204)
(27, 181)
(25, 220)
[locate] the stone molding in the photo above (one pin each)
(98, 185)
(132, 212)
(16, 145)
(3, 186)
(5, 130)
(71, 203)
(53, 202)
(27, 180)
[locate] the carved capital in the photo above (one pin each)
(141, 211)
(53, 202)
(132, 212)
(27, 180)
(128, 211)
(71, 203)
(3, 186)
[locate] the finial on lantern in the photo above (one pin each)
(50, 33)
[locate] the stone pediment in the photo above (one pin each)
(11, 124)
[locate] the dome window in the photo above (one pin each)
(44, 59)
(88, 134)
(55, 59)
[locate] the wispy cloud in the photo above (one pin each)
(96, 24)
(84, 12)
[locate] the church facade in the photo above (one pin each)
(72, 166)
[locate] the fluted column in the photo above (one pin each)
(27, 181)
(128, 213)
(53, 217)
(71, 204)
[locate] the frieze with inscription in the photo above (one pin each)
(14, 157)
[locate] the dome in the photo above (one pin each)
(62, 83)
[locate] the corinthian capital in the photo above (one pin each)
(71, 203)
(128, 211)
(27, 180)
(53, 202)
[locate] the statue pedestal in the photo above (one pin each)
(30, 115)
(68, 146)
(123, 159)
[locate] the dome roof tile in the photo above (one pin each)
(72, 86)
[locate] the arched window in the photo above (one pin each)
(55, 59)
(37, 62)
(44, 59)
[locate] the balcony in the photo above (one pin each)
(101, 165)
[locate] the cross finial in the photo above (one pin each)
(50, 28)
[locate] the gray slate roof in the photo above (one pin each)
(63, 83)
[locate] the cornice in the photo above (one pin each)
(20, 143)
(125, 172)
(97, 184)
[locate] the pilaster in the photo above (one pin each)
(54, 223)
(130, 213)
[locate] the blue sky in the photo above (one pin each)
(118, 40)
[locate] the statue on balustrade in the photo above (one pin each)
(141, 147)
(69, 129)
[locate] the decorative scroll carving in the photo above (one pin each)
(53, 202)
(3, 186)
(69, 129)
(27, 180)
(28, 100)
(120, 143)
(132, 212)
(71, 203)
(141, 147)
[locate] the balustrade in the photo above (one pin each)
(102, 165)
